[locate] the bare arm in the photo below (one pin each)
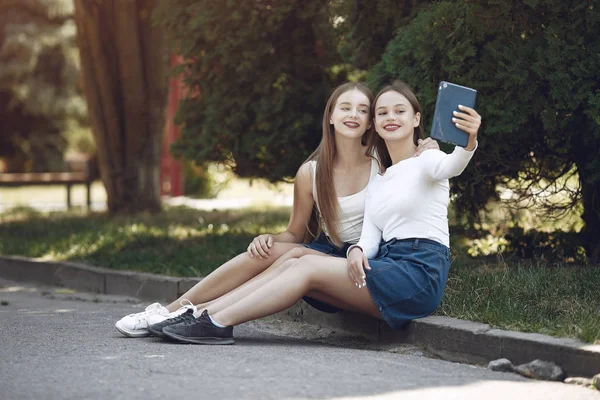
(299, 218)
(451, 165)
(302, 208)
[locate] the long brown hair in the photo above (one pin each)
(375, 143)
(325, 155)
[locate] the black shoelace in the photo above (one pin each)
(182, 318)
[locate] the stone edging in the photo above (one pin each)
(447, 338)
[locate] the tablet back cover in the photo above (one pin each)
(449, 97)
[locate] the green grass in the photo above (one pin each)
(559, 300)
(555, 299)
(180, 242)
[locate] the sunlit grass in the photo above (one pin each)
(180, 242)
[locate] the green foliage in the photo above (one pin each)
(365, 27)
(79, 138)
(259, 80)
(39, 95)
(259, 73)
(535, 66)
(557, 245)
(201, 181)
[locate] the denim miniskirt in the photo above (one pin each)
(323, 245)
(407, 279)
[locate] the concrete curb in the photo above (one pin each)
(90, 279)
(447, 338)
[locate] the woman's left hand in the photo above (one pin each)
(357, 263)
(468, 120)
(426, 144)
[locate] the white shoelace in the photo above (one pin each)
(154, 308)
(185, 303)
(151, 309)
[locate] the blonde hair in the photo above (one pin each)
(325, 155)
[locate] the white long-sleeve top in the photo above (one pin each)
(411, 199)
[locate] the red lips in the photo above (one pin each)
(391, 127)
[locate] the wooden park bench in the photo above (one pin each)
(82, 170)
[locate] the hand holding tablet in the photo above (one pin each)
(443, 127)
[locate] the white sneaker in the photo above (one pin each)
(136, 325)
(158, 318)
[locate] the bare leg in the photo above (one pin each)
(331, 301)
(230, 275)
(326, 275)
(245, 289)
(252, 283)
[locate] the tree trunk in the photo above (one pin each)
(590, 234)
(124, 63)
(585, 149)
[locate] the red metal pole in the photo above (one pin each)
(171, 176)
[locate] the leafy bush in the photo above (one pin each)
(201, 181)
(554, 246)
(534, 64)
(259, 78)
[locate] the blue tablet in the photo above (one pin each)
(449, 97)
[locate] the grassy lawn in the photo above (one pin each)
(180, 242)
(559, 300)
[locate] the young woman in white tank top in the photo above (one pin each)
(351, 207)
(339, 166)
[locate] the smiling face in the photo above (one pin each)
(350, 114)
(395, 117)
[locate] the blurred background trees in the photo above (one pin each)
(263, 69)
(365, 27)
(42, 111)
(258, 75)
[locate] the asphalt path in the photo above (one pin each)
(56, 344)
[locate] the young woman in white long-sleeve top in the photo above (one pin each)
(406, 206)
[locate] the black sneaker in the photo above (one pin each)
(200, 330)
(157, 329)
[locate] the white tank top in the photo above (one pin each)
(352, 208)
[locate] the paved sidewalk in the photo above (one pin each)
(57, 344)
(446, 338)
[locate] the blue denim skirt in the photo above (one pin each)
(407, 279)
(323, 245)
